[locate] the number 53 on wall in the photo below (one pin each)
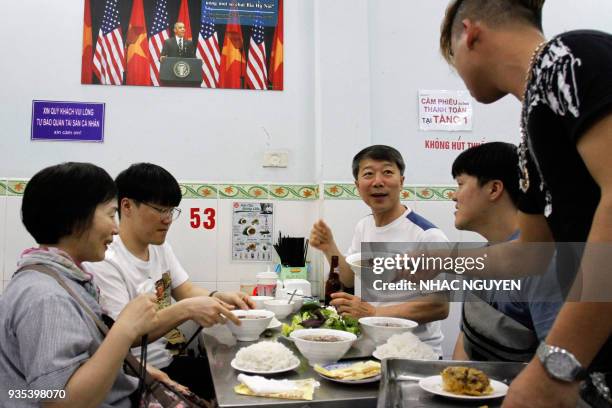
(203, 218)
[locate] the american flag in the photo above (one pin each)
(208, 49)
(159, 33)
(109, 58)
(257, 74)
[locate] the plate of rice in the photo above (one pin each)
(265, 357)
(405, 345)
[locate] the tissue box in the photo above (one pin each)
(294, 272)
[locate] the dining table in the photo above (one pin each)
(221, 347)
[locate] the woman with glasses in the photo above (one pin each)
(140, 260)
(50, 349)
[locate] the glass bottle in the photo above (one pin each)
(332, 285)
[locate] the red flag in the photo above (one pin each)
(183, 16)
(87, 58)
(275, 73)
(233, 63)
(138, 60)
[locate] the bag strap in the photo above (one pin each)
(130, 360)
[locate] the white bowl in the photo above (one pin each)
(355, 260)
(250, 329)
(297, 302)
(374, 327)
(259, 301)
(322, 352)
(280, 307)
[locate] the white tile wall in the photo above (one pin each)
(228, 286)
(196, 248)
(16, 237)
(441, 214)
(210, 286)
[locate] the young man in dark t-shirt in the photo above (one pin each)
(565, 86)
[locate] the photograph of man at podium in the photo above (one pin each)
(178, 46)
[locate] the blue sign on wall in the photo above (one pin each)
(68, 121)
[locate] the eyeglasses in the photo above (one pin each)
(165, 213)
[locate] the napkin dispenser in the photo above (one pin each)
(299, 285)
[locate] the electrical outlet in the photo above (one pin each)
(275, 158)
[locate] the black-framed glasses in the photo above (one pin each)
(165, 213)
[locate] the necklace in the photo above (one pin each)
(523, 149)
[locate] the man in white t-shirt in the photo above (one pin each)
(379, 176)
(141, 261)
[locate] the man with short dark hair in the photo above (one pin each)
(565, 87)
(379, 177)
(499, 326)
(141, 261)
(178, 46)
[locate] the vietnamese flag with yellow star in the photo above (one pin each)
(275, 73)
(87, 57)
(233, 62)
(137, 48)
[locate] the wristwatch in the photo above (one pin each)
(560, 363)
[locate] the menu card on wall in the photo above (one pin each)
(252, 227)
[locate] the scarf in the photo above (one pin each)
(62, 263)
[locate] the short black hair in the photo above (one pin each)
(148, 183)
(491, 161)
(61, 200)
(380, 153)
(493, 12)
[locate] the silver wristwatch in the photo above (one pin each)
(560, 363)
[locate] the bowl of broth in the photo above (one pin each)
(252, 323)
(322, 346)
(379, 329)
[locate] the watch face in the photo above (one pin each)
(559, 365)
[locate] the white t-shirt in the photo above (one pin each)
(411, 228)
(121, 277)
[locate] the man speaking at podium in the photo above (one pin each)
(178, 46)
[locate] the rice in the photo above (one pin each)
(265, 356)
(406, 345)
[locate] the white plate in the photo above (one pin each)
(293, 366)
(433, 384)
(274, 324)
(376, 355)
(345, 364)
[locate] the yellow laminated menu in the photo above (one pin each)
(357, 371)
(304, 390)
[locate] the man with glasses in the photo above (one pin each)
(141, 261)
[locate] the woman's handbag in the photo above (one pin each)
(151, 393)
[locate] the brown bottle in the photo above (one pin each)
(332, 285)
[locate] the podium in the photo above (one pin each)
(176, 71)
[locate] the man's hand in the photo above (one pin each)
(208, 311)
(238, 299)
(162, 377)
(349, 305)
(533, 388)
(321, 237)
(162, 58)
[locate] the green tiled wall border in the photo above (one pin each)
(15, 187)
(300, 192)
(278, 192)
(196, 190)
